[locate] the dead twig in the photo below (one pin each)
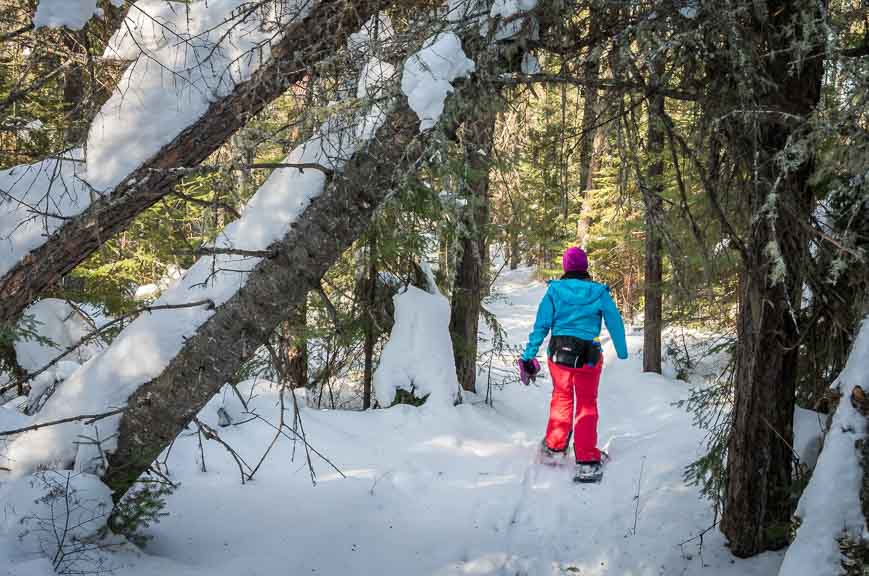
(299, 437)
(211, 434)
(637, 497)
(88, 419)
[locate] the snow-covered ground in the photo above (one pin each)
(443, 490)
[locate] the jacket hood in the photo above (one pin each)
(578, 291)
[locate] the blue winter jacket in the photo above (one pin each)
(573, 307)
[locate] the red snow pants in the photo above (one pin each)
(581, 384)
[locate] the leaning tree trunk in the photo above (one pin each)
(652, 190)
(758, 501)
(160, 409)
(470, 275)
(323, 31)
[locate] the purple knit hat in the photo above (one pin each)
(574, 260)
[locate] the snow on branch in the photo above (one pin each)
(196, 76)
(145, 347)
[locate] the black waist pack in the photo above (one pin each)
(573, 352)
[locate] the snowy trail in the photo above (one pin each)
(449, 492)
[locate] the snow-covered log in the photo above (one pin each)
(54, 214)
(165, 366)
(160, 408)
(830, 505)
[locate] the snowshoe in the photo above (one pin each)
(588, 472)
(549, 457)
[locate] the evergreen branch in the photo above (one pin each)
(542, 78)
(10, 35)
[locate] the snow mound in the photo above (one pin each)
(830, 504)
(428, 74)
(419, 355)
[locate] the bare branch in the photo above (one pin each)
(86, 418)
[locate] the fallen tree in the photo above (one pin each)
(321, 31)
(164, 367)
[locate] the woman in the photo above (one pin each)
(572, 309)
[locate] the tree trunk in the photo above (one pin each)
(295, 349)
(515, 254)
(758, 507)
(324, 30)
(443, 273)
(470, 275)
(75, 127)
(652, 190)
(592, 136)
(370, 324)
(758, 502)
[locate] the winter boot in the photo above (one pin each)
(548, 456)
(588, 472)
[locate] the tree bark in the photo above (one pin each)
(592, 136)
(295, 349)
(758, 503)
(515, 253)
(324, 30)
(370, 324)
(470, 275)
(652, 190)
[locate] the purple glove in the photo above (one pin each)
(528, 370)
